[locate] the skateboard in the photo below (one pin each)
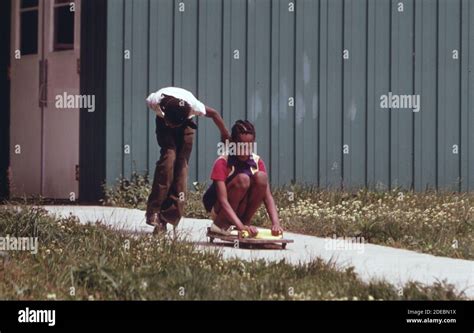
(238, 241)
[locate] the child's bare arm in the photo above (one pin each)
(216, 117)
(272, 211)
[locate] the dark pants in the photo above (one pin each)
(168, 191)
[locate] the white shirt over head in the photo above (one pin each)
(153, 101)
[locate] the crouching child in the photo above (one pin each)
(240, 185)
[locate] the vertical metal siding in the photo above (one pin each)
(291, 80)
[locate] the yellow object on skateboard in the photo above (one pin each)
(262, 234)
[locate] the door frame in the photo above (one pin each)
(50, 137)
(92, 126)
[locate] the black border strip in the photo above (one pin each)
(93, 71)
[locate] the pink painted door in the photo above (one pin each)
(45, 134)
(25, 112)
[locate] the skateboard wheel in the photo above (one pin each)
(211, 240)
(283, 246)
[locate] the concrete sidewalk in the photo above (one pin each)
(371, 262)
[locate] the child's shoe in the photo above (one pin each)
(231, 231)
(153, 219)
(160, 229)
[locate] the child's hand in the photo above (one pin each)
(277, 230)
(251, 230)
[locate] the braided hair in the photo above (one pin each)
(242, 127)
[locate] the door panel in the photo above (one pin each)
(61, 156)
(25, 115)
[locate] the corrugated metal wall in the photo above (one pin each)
(290, 78)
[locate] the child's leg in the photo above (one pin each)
(174, 206)
(164, 171)
(237, 190)
(242, 207)
(255, 196)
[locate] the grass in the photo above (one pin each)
(94, 262)
(439, 223)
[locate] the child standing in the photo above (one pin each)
(174, 108)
